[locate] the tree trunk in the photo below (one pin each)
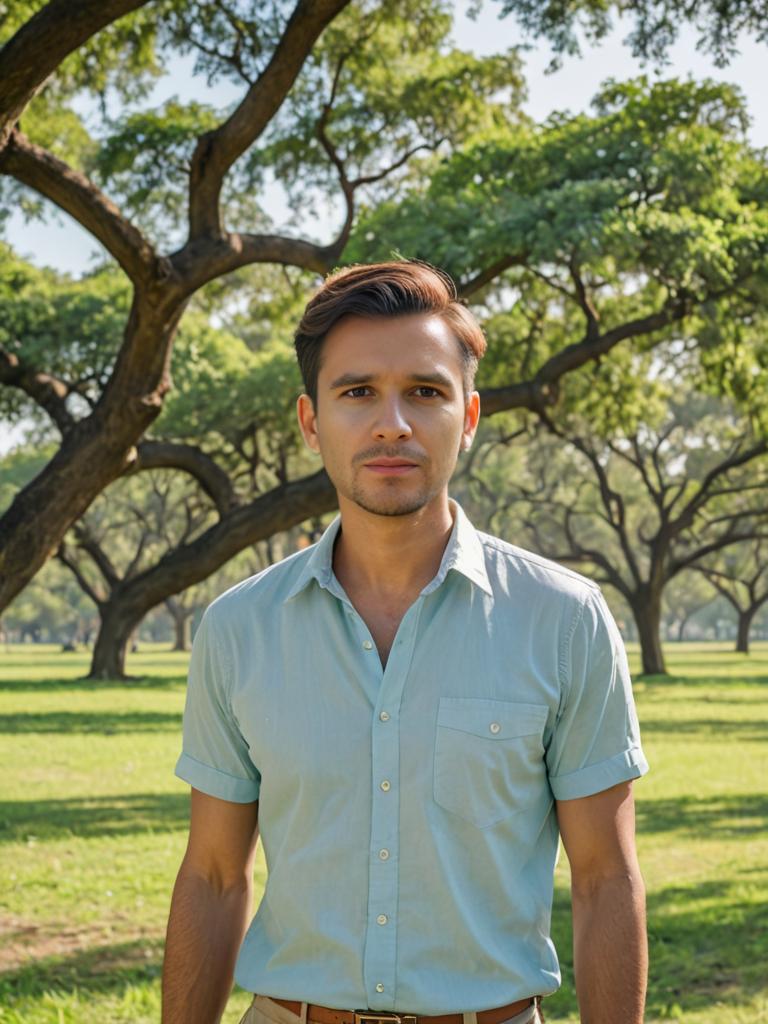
(745, 623)
(681, 627)
(118, 621)
(646, 610)
(96, 450)
(279, 509)
(182, 627)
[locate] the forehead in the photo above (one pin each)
(404, 344)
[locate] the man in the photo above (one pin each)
(408, 712)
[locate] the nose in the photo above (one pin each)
(391, 423)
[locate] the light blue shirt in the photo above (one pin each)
(407, 814)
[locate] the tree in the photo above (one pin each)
(348, 112)
(593, 258)
(267, 53)
(685, 597)
(740, 575)
(642, 476)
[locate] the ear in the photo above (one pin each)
(307, 416)
(471, 419)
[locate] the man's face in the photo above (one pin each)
(391, 415)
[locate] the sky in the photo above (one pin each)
(67, 247)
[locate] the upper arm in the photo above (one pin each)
(222, 839)
(598, 834)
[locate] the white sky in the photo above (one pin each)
(66, 246)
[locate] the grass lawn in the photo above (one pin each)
(92, 829)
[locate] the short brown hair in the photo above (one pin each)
(383, 290)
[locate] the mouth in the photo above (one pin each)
(390, 467)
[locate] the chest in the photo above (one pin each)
(382, 618)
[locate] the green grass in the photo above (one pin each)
(93, 826)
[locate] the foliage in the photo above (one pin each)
(383, 82)
(72, 328)
(657, 23)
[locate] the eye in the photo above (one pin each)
(426, 391)
(359, 392)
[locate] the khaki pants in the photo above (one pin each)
(263, 1011)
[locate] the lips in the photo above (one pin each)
(389, 462)
(390, 467)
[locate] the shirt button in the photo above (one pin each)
(495, 727)
(385, 785)
(379, 987)
(382, 919)
(367, 645)
(384, 716)
(383, 854)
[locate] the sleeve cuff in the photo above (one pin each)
(216, 783)
(630, 764)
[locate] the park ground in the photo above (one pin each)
(92, 829)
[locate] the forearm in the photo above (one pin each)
(205, 930)
(610, 950)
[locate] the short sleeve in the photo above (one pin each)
(596, 740)
(215, 757)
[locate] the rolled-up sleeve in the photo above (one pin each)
(215, 757)
(596, 740)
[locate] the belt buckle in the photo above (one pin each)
(372, 1017)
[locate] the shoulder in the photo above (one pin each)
(513, 568)
(260, 593)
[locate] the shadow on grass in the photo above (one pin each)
(701, 681)
(88, 817)
(99, 969)
(706, 945)
(106, 722)
(712, 817)
(721, 728)
(92, 685)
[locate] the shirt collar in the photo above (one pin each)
(463, 552)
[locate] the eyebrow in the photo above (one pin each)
(351, 380)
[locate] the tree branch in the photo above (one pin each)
(702, 494)
(74, 193)
(216, 151)
(538, 392)
(66, 559)
(42, 43)
(97, 554)
(206, 259)
(190, 459)
(484, 277)
(49, 392)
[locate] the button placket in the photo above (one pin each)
(381, 938)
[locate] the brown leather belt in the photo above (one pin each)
(325, 1015)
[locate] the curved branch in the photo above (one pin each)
(49, 392)
(74, 193)
(535, 394)
(216, 151)
(66, 559)
(190, 459)
(88, 543)
(484, 277)
(704, 492)
(42, 43)
(205, 259)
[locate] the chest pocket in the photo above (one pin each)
(488, 758)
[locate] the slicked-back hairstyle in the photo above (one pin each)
(381, 291)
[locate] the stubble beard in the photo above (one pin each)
(396, 505)
(384, 497)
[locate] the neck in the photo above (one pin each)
(391, 555)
